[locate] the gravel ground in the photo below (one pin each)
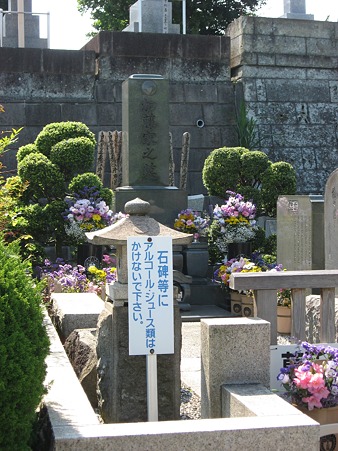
(190, 404)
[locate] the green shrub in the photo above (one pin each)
(23, 348)
(90, 180)
(278, 179)
(25, 150)
(249, 173)
(73, 156)
(44, 177)
(107, 195)
(86, 180)
(55, 132)
(222, 169)
(253, 166)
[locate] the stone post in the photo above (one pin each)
(233, 351)
(146, 148)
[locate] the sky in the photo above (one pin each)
(68, 28)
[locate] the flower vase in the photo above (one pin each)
(236, 302)
(283, 319)
(249, 308)
(195, 259)
(89, 253)
(239, 249)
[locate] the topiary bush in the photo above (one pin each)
(23, 348)
(90, 180)
(82, 181)
(73, 156)
(279, 178)
(55, 132)
(25, 150)
(44, 178)
(222, 169)
(249, 173)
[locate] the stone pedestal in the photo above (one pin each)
(227, 358)
(122, 384)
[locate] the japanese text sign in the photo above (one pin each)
(150, 295)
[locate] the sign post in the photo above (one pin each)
(150, 306)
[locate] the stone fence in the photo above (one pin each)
(266, 284)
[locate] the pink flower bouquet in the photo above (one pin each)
(311, 378)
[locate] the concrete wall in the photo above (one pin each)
(42, 86)
(287, 72)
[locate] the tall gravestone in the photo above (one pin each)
(151, 16)
(331, 221)
(296, 9)
(145, 148)
(30, 24)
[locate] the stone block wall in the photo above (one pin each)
(42, 86)
(286, 72)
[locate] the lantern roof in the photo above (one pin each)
(137, 223)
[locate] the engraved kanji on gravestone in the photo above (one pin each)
(145, 153)
(294, 232)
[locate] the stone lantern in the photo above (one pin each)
(122, 387)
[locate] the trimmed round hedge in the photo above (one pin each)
(59, 131)
(222, 169)
(73, 156)
(90, 180)
(23, 151)
(23, 348)
(280, 178)
(44, 177)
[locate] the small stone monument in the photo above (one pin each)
(331, 221)
(300, 232)
(151, 16)
(146, 150)
(296, 9)
(122, 377)
(26, 22)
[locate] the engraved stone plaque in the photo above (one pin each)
(331, 221)
(145, 152)
(294, 232)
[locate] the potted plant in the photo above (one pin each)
(257, 263)
(311, 382)
(190, 221)
(62, 277)
(87, 212)
(195, 256)
(284, 319)
(233, 223)
(238, 300)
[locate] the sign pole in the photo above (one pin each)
(152, 395)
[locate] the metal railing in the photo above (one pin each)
(21, 32)
(266, 284)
